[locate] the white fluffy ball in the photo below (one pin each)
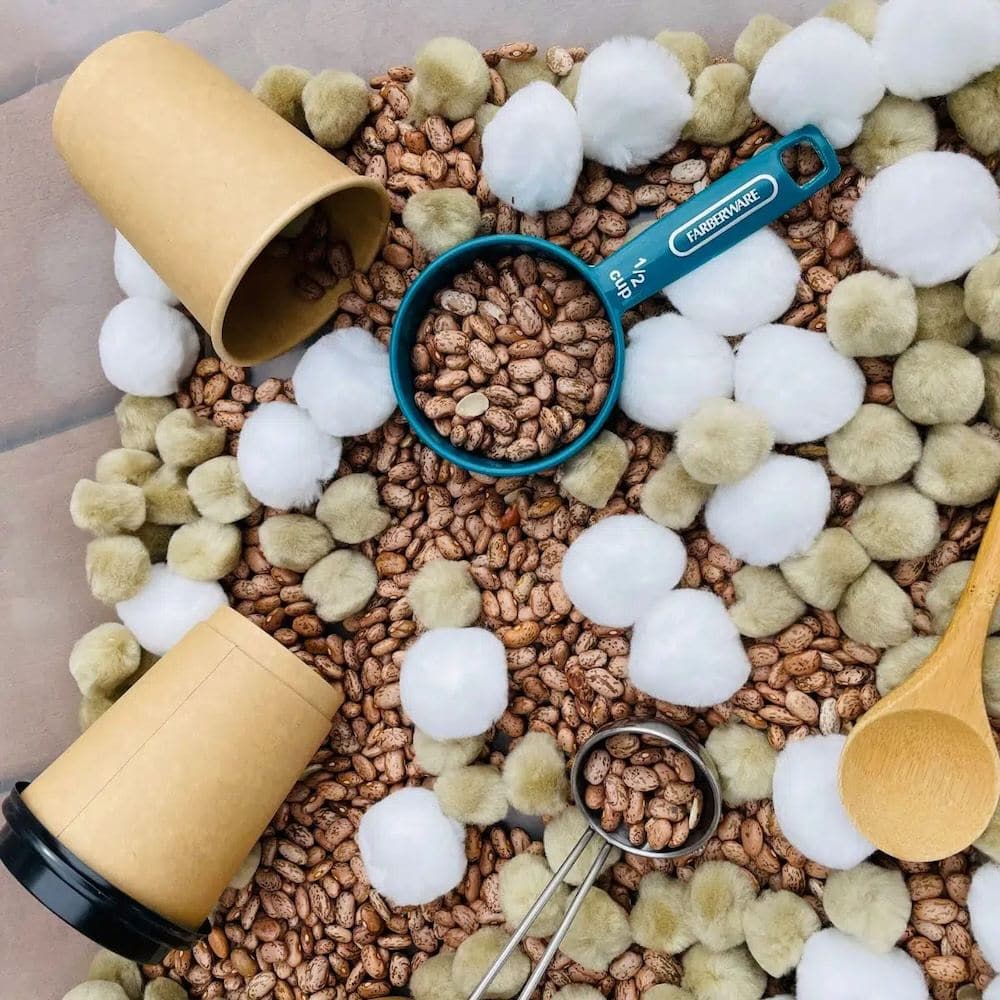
(533, 149)
(836, 967)
(822, 73)
(167, 607)
(776, 512)
(146, 347)
(632, 101)
(751, 283)
(686, 649)
(425, 863)
(984, 911)
(454, 682)
(804, 387)
(284, 458)
(929, 217)
(343, 382)
(619, 567)
(927, 48)
(808, 807)
(136, 277)
(672, 366)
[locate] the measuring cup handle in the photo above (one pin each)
(738, 204)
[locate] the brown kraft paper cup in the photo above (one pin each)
(165, 795)
(199, 176)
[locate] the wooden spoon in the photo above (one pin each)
(920, 775)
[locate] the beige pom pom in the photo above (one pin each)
(959, 466)
(437, 756)
(982, 297)
(945, 590)
(349, 507)
(719, 893)
(164, 989)
(777, 926)
(723, 975)
(485, 114)
(156, 538)
(569, 83)
(756, 38)
(667, 992)
(452, 80)
(137, 418)
(335, 105)
(522, 880)
(280, 88)
(112, 968)
(991, 677)
(473, 795)
(871, 315)
(581, 991)
(898, 663)
(722, 441)
(938, 383)
(722, 109)
(690, 48)
(878, 445)
(117, 568)
(990, 360)
(941, 315)
(103, 659)
(96, 989)
(745, 761)
(126, 465)
(475, 955)
(432, 980)
(217, 490)
(204, 549)
(107, 508)
(895, 128)
(184, 439)
(875, 610)
(592, 475)
(294, 541)
(444, 595)
(825, 570)
(869, 903)
(661, 916)
(560, 837)
(671, 497)
(340, 584)
(989, 842)
(858, 14)
(92, 707)
(518, 73)
(765, 604)
(247, 869)
(896, 522)
(442, 219)
(975, 110)
(167, 497)
(535, 775)
(599, 933)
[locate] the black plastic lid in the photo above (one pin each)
(74, 892)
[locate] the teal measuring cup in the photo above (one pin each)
(739, 203)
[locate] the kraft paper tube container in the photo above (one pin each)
(133, 833)
(199, 176)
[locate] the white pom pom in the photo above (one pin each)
(167, 607)
(426, 863)
(836, 967)
(984, 911)
(823, 73)
(929, 217)
(618, 568)
(146, 347)
(284, 458)
(796, 378)
(776, 512)
(343, 382)
(808, 807)
(671, 366)
(632, 100)
(749, 284)
(136, 277)
(454, 682)
(533, 149)
(686, 649)
(927, 48)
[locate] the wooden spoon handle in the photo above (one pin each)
(975, 606)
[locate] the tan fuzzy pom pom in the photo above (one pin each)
(975, 110)
(280, 88)
(878, 445)
(349, 507)
(896, 522)
(875, 610)
(117, 567)
(452, 79)
(518, 73)
(722, 109)
(164, 989)
(437, 756)
(126, 465)
(723, 975)
(569, 83)
(294, 541)
(896, 127)
(870, 903)
(560, 837)
(599, 934)
(335, 105)
(745, 762)
(472, 795)
(204, 549)
(92, 707)
(485, 114)
(661, 916)
(871, 315)
(248, 869)
(765, 604)
(137, 418)
(184, 439)
(218, 491)
(825, 570)
(722, 441)
(340, 584)
(581, 991)
(104, 658)
(959, 466)
(938, 383)
(112, 968)
(475, 955)
(756, 38)
(898, 663)
(156, 538)
(535, 775)
(671, 497)
(945, 590)
(592, 475)
(690, 49)
(167, 497)
(989, 842)
(444, 595)
(96, 989)
(777, 926)
(107, 508)
(990, 360)
(719, 893)
(442, 219)
(991, 677)
(982, 297)
(667, 992)
(941, 315)
(432, 980)
(858, 14)
(522, 880)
